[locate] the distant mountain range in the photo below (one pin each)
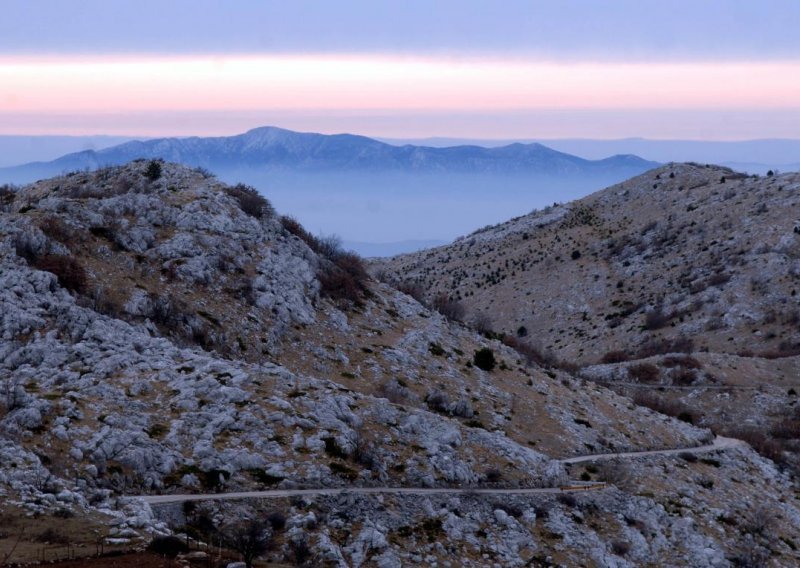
(271, 148)
(752, 156)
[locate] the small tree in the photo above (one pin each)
(251, 539)
(153, 171)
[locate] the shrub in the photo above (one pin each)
(484, 359)
(153, 171)
(644, 372)
(7, 193)
(684, 361)
(482, 323)
(533, 354)
(413, 289)
(620, 547)
(250, 201)
(57, 230)
(437, 401)
(663, 346)
(673, 408)
(449, 308)
(251, 539)
(276, 520)
(69, 271)
(493, 475)
(52, 536)
(393, 392)
(615, 357)
(657, 318)
(683, 377)
(344, 278)
(616, 472)
(170, 546)
(567, 499)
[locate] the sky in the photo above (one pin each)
(710, 69)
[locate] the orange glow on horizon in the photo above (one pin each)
(226, 83)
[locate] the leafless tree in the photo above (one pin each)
(251, 539)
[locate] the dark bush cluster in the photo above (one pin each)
(344, 278)
(673, 408)
(484, 359)
(644, 372)
(153, 171)
(661, 346)
(7, 194)
(170, 546)
(250, 201)
(657, 318)
(68, 270)
(342, 275)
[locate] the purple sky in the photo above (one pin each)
(719, 69)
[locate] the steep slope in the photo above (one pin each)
(682, 253)
(163, 332)
(279, 149)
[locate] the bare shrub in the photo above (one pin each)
(620, 547)
(616, 356)
(250, 201)
(760, 520)
(293, 227)
(27, 247)
(52, 536)
(787, 429)
(7, 193)
(413, 289)
(300, 552)
(344, 278)
(768, 447)
(664, 346)
(673, 408)
(530, 352)
(70, 273)
(685, 361)
(644, 372)
(449, 308)
(251, 539)
(437, 401)
(657, 318)
(482, 323)
(57, 230)
(393, 392)
(616, 472)
(683, 377)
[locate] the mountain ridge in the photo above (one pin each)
(276, 148)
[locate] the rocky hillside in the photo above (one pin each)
(161, 332)
(684, 254)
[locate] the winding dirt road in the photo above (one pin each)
(719, 443)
